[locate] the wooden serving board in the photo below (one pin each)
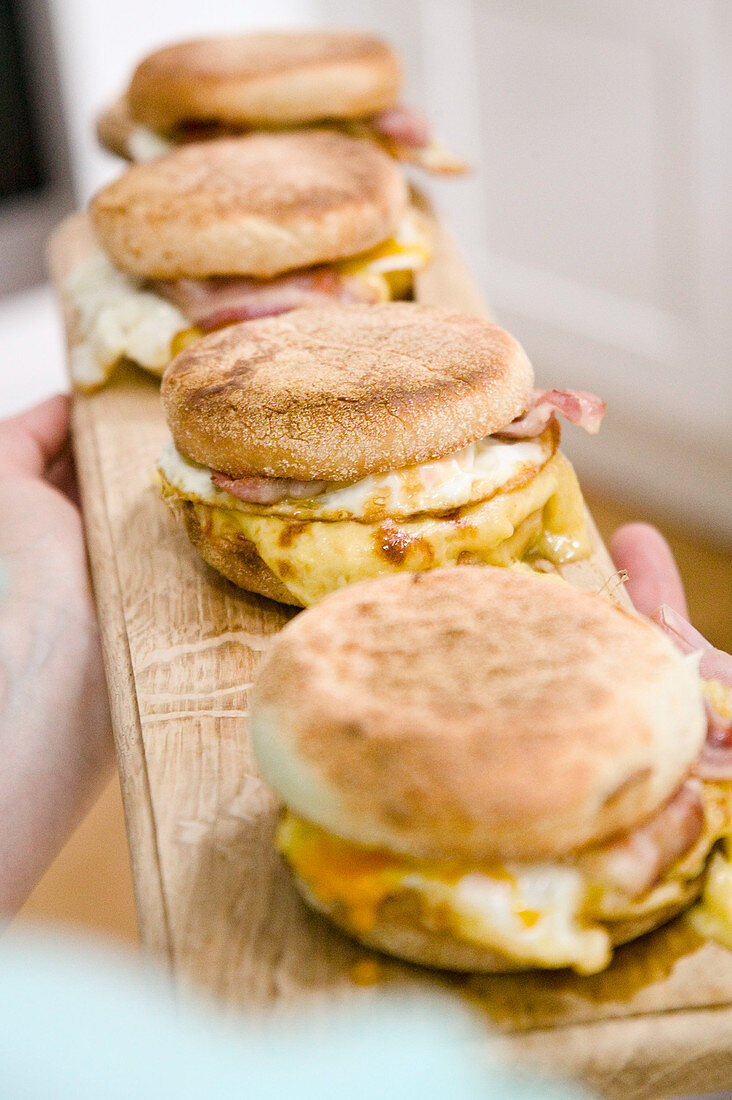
(181, 648)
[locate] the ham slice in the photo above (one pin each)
(404, 125)
(577, 406)
(715, 761)
(212, 303)
(405, 133)
(635, 862)
(714, 664)
(581, 408)
(267, 490)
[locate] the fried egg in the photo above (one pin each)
(535, 914)
(408, 250)
(532, 914)
(144, 144)
(471, 474)
(543, 518)
(116, 318)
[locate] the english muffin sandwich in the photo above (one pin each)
(207, 87)
(329, 445)
(487, 769)
(233, 229)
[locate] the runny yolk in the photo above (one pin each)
(338, 872)
(360, 878)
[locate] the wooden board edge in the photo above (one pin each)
(132, 765)
(464, 293)
(69, 243)
(691, 1052)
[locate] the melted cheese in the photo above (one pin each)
(533, 914)
(542, 519)
(720, 696)
(409, 249)
(473, 473)
(712, 915)
(116, 319)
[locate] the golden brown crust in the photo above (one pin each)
(477, 714)
(114, 126)
(342, 392)
(399, 932)
(257, 205)
(234, 556)
(265, 79)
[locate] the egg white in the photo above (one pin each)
(533, 916)
(115, 318)
(531, 913)
(473, 473)
(144, 144)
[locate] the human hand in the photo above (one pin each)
(655, 589)
(55, 731)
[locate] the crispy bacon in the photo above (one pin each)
(267, 490)
(581, 408)
(637, 861)
(404, 125)
(212, 303)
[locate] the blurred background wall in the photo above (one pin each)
(597, 219)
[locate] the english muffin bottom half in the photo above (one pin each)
(208, 87)
(326, 446)
(236, 229)
(484, 769)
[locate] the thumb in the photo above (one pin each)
(30, 441)
(653, 578)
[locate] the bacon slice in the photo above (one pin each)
(404, 125)
(211, 303)
(581, 408)
(267, 490)
(637, 861)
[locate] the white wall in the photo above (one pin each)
(100, 41)
(598, 218)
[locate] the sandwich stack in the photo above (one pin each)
(182, 646)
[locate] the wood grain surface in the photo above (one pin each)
(181, 649)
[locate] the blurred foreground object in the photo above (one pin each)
(78, 1023)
